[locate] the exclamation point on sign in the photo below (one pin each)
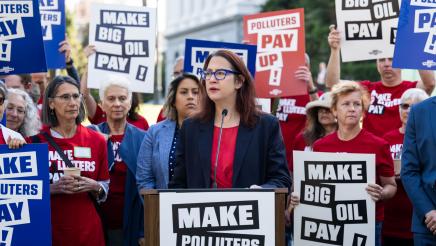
(141, 74)
(3, 51)
(4, 236)
(430, 45)
(274, 77)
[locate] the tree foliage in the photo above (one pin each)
(318, 15)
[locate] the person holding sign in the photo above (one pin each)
(382, 114)
(78, 166)
(349, 101)
(398, 210)
(21, 113)
(122, 210)
(418, 165)
(156, 159)
(229, 143)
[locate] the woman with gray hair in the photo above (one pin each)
(21, 113)
(74, 218)
(123, 210)
(398, 210)
(6, 134)
(156, 158)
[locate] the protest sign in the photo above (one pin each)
(53, 31)
(21, 38)
(125, 40)
(334, 208)
(279, 37)
(24, 189)
(416, 36)
(368, 28)
(216, 218)
(196, 52)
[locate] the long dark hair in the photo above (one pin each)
(245, 96)
(313, 130)
(169, 107)
(133, 112)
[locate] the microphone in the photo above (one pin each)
(223, 114)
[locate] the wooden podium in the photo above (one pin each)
(151, 215)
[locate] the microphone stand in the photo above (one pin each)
(223, 114)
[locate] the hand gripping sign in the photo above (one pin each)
(279, 36)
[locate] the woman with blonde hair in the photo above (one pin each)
(349, 102)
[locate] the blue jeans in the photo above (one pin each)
(378, 232)
(424, 239)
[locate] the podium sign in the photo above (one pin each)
(217, 217)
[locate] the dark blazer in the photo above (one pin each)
(418, 171)
(260, 156)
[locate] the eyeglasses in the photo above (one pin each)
(67, 97)
(405, 106)
(2, 100)
(219, 74)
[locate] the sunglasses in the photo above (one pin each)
(405, 106)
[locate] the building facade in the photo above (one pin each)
(213, 20)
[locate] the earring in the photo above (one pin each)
(52, 111)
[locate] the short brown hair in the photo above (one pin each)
(245, 96)
(347, 87)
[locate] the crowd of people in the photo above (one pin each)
(210, 134)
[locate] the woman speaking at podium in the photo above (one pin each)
(229, 143)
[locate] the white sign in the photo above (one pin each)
(125, 40)
(334, 208)
(217, 218)
(368, 28)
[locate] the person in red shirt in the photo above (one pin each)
(74, 218)
(382, 114)
(398, 210)
(251, 152)
(96, 114)
(349, 100)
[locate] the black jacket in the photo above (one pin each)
(260, 156)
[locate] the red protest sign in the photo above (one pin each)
(279, 36)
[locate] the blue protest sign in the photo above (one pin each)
(21, 46)
(415, 46)
(24, 189)
(53, 31)
(196, 52)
